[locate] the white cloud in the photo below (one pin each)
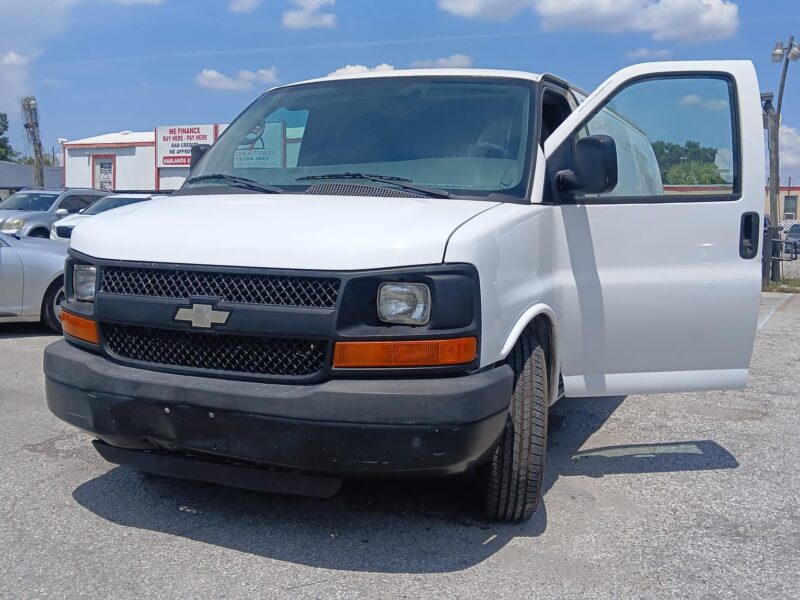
(308, 14)
(28, 25)
(133, 2)
(703, 103)
(648, 54)
(677, 20)
(12, 59)
(454, 61)
(243, 6)
(790, 153)
(355, 69)
(485, 9)
(244, 80)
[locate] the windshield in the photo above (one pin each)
(34, 201)
(109, 203)
(470, 137)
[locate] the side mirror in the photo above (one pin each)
(595, 166)
(198, 152)
(81, 211)
(62, 212)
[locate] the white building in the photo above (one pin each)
(135, 160)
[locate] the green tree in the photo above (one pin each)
(668, 155)
(46, 159)
(694, 172)
(6, 151)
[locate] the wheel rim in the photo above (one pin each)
(57, 299)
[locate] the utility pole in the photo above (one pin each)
(781, 54)
(31, 113)
(771, 232)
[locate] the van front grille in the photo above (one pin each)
(193, 351)
(263, 289)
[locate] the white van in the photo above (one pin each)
(390, 274)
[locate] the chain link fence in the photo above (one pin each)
(790, 269)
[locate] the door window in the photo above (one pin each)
(72, 204)
(675, 136)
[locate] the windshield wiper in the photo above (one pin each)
(400, 182)
(237, 181)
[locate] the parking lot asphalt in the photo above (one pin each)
(674, 495)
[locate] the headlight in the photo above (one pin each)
(404, 303)
(12, 225)
(83, 282)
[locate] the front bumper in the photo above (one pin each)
(342, 427)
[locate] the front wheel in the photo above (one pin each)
(514, 477)
(51, 305)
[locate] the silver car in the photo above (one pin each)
(31, 280)
(31, 212)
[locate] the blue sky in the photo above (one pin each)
(98, 66)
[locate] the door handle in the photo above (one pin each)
(749, 234)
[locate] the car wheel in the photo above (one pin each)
(39, 233)
(513, 479)
(51, 305)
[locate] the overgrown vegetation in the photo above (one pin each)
(790, 285)
(696, 162)
(693, 172)
(6, 151)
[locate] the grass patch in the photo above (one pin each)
(789, 285)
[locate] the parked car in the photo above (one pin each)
(62, 229)
(31, 280)
(793, 237)
(411, 260)
(32, 211)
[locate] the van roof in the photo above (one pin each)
(425, 73)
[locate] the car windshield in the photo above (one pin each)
(462, 136)
(33, 201)
(794, 228)
(110, 203)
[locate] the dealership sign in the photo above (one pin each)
(174, 143)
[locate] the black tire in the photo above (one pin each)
(39, 233)
(513, 478)
(49, 315)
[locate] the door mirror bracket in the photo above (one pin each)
(595, 166)
(198, 152)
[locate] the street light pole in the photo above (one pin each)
(784, 55)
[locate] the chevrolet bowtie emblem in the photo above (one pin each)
(202, 316)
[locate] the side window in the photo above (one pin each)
(675, 136)
(555, 108)
(88, 200)
(275, 143)
(72, 203)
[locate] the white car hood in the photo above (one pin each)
(278, 231)
(71, 220)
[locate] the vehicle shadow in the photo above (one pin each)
(390, 526)
(24, 330)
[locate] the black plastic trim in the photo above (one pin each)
(456, 312)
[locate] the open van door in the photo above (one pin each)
(659, 261)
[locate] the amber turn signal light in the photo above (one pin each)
(417, 353)
(79, 327)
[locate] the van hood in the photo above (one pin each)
(284, 231)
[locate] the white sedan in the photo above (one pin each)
(62, 229)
